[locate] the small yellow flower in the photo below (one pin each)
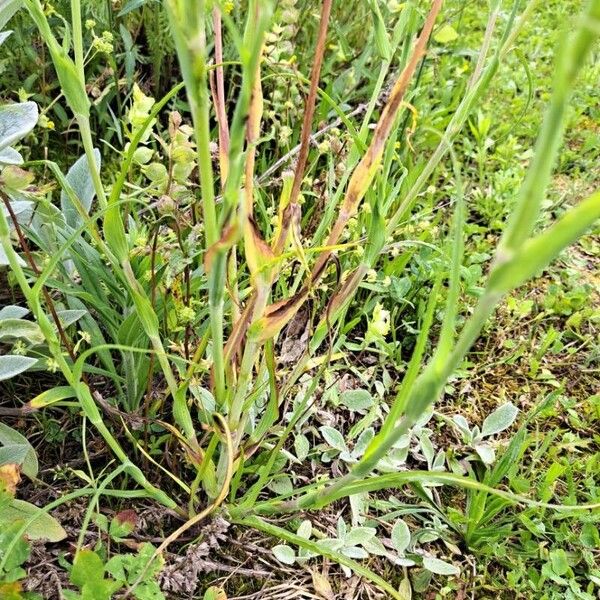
(19, 348)
(379, 326)
(45, 122)
(186, 314)
(85, 336)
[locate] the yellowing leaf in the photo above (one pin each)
(276, 317)
(322, 586)
(9, 478)
(11, 591)
(446, 35)
(215, 593)
(258, 253)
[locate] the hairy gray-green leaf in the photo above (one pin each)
(305, 529)
(400, 536)
(284, 554)
(13, 364)
(80, 180)
(356, 399)
(301, 446)
(16, 121)
(486, 453)
(502, 418)
(10, 156)
(333, 437)
(359, 535)
(7, 9)
(15, 329)
(4, 259)
(440, 567)
(4, 36)
(70, 316)
(13, 312)
(11, 439)
(22, 209)
(44, 527)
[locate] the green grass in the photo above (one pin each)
(389, 347)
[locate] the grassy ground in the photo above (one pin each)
(541, 352)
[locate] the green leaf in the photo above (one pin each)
(215, 593)
(15, 329)
(445, 35)
(87, 568)
(4, 259)
(7, 9)
(88, 574)
(440, 567)
(13, 312)
(405, 589)
(486, 453)
(359, 535)
(281, 485)
(400, 536)
(284, 554)
(356, 399)
(70, 316)
(589, 536)
(333, 437)
(13, 364)
(51, 396)
(10, 156)
(502, 418)
(4, 35)
(123, 524)
(16, 121)
(13, 454)
(305, 529)
(11, 438)
(44, 527)
(301, 446)
(558, 559)
(20, 551)
(80, 180)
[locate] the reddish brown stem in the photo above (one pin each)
(365, 170)
(218, 93)
(309, 113)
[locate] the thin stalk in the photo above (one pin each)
(309, 111)
(464, 109)
(397, 480)
(219, 98)
(88, 145)
(77, 37)
(366, 169)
